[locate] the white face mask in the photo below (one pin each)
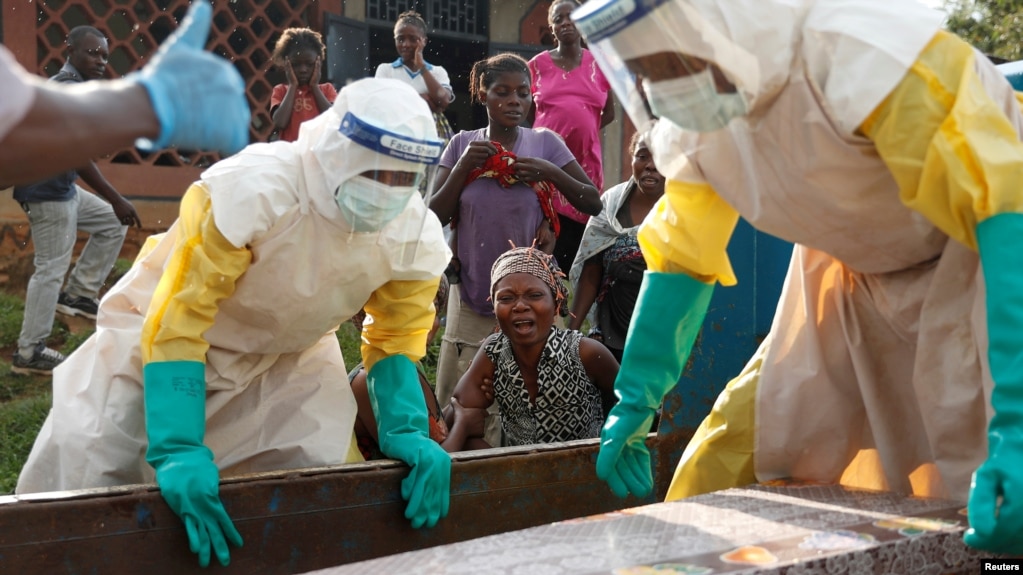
(369, 205)
(693, 102)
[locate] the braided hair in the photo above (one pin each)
(485, 72)
(411, 18)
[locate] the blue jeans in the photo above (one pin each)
(55, 227)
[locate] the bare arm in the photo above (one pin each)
(466, 423)
(586, 291)
(570, 179)
(281, 115)
(123, 209)
(365, 417)
(322, 103)
(607, 115)
(601, 367)
(75, 123)
(450, 182)
(545, 239)
(437, 96)
(462, 422)
(470, 389)
(470, 394)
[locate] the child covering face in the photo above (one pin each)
(299, 53)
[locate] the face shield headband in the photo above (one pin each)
(367, 204)
(389, 143)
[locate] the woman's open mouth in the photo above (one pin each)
(523, 325)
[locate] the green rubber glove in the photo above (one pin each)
(668, 315)
(403, 427)
(996, 494)
(175, 395)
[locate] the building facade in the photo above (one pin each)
(358, 34)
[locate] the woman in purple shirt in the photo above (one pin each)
(493, 185)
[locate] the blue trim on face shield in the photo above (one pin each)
(600, 19)
(389, 143)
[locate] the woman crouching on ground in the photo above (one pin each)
(551, 384)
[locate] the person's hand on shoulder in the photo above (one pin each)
(473, 418)
(487, 387)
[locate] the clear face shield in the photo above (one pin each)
(658, 56)
(389, 175)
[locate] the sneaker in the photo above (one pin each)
(42, 362)
(77, 305)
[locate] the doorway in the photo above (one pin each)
(456, 55)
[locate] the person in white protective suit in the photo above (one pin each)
(216, 354)
(889, 152)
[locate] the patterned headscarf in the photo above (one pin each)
(536, 263)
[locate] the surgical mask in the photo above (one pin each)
(369, 205)
(693, 102)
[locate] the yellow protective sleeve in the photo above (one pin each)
(202, 270)
(720, 453)
(688, 232)
(399, 315)
(953, 152)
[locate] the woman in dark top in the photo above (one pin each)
(609, 268)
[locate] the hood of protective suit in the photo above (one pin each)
(330, 157)
(856, 50)
(388, 127)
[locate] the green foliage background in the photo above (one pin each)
(994, 27)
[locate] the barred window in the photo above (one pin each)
(388, 10)
(456, 17)
(244, 32)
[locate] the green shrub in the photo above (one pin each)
(350, 341)
(12, 309)
(121, 267)
(73, 341)
(20, 421)
(14, 386)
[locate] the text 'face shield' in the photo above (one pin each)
(369, 201)
(369, 152)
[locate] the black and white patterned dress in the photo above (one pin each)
(568, 404)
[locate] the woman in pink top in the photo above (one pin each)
(571, 97)
(300, 53)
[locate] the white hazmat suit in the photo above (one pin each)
(253, 280)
